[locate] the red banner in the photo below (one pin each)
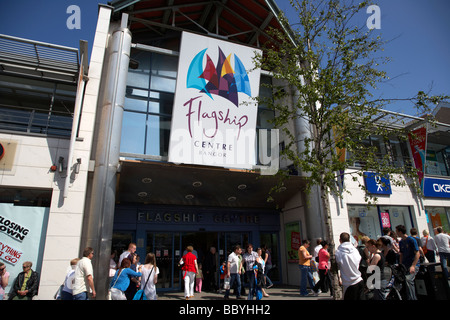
(418, 144)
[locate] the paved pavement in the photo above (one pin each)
(275, 293)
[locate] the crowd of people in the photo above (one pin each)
(248, 269)
(356, 262)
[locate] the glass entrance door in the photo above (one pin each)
(164, 246)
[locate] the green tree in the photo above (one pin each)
(328, 65)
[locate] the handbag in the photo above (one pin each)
(140, 294)
(112, 287)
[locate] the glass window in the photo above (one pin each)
(437, 217)
(398, 216)
(158, 134)
(36, 106)
(438, 159)
(149, 102)
(364, 221)
(133, 132)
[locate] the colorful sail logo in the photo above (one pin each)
(220, 79)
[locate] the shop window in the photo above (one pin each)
(437, 217)
(364, 221)
(24, 217)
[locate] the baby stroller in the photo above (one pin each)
(397, 282)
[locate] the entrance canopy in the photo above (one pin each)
(243, 21)
(164, 183)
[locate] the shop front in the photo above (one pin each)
(167, 230)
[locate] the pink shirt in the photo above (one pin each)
(324, 256)
(2, 290)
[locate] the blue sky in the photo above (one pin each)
(419, 29)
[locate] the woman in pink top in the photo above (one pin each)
(324, 266)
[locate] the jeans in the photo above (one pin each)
(251, 285)
(306, 275)
(81, 296)
(234, 277)
(444, 256)
(266, 271)
(410, 286)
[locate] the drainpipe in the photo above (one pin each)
(82, 79)
(99, 218)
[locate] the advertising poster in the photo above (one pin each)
(22, 235)
(214, 113)
(385, 220)
(293, 240)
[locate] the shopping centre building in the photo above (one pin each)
(155, 140)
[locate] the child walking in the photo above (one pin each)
(199, 279)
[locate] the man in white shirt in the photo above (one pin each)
(443, 246)
(127, 254)
(84, 276)
(348, 258)
(234, 271)
(317, 248)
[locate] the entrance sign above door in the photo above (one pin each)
(214, 114)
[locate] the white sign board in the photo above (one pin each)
(214, 115)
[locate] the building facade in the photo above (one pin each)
(99, 175)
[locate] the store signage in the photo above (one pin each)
(13, 229)
(214, 113)
(195, 218)
(438, 188)
(9, 254)
(377, 184)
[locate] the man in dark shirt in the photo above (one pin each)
(409, 257)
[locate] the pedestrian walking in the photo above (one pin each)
(267, 256)
(233, 272)
(348, 259)
(210, 268)
(122, 279)
(429, 248)
(66, 291)
(443, 247)
(250, 260)
(149, 276)
(84, 277)
(199, 279)
(261, 269)
(409, 257)
(190, 269)
(304, 264)
(324, 282)
(377, 259)
(128, 253)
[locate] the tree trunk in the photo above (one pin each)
(337, 289)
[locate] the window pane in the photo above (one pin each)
(135, 104)
(158, 136)
(133, 132)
